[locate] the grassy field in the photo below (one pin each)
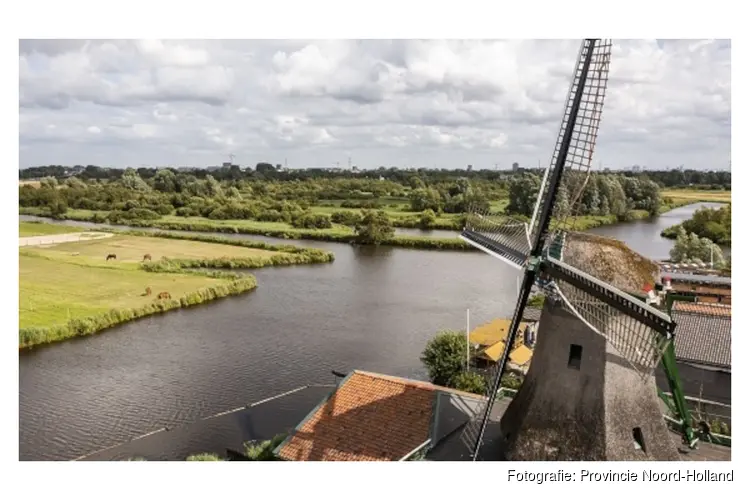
(26, 229)
(131, 249)
(52, 292)
(697, 195)
(73, 280)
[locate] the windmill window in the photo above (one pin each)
(638, 441)
(574, 357)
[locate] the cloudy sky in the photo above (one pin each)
(408, 102)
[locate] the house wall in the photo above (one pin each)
(700, 383)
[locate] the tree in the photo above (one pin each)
(445, 357)
(264, 168)
(131, 180)
(562, 203)
(415, 182)
(522, 194)
(75, 183)
(691, 248)
(424, 199)
(651, 197)
(49, 182)
(427, 219)
(165, 181)
(374, 228)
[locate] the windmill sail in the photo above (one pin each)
(518, 243)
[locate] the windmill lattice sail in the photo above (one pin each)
(638, 332)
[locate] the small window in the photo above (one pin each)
(638, 441)
(574, 358)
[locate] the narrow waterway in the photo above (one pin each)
(371, 309)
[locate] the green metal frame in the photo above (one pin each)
(677, 403)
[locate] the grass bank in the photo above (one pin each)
(339, 233)
(688, 196)
(336, 234)
(70, 289)
(26, 229)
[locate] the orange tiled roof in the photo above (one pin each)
(703, 308)
(369, 417)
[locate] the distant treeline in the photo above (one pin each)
(665, 178)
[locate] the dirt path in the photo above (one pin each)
(51, 239)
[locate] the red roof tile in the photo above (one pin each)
(370, 417)
(703, 308)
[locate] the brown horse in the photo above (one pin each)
(163, 295)
(147, 257)
(111, 256)
(148, 291)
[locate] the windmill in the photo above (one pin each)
(599, 319)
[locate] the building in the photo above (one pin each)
(374, 417)
(489, 340)
(703, 348)
(704, 287)
(581, 401)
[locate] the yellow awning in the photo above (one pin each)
(493, 332)
(518, 356)
(494, 352)
(521, 355)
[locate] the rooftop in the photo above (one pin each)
(493, 332)
(373, 417)
(704, 333)
(518, 356)
(699, 278)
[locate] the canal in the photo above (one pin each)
(371, 309)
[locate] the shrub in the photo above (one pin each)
(469, 382)
(346, 218)
(204, 457)
(263, 451)
(312, 221)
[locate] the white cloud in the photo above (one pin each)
(420, 102)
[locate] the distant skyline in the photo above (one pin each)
(434, 103)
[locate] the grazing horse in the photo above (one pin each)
(163, 295)
(111, 256)
(147, 257)
(148, 291)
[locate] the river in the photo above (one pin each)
(372, 309)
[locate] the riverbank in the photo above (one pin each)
(73, 289)
(27, 229)
(712, 223)
(337, 233)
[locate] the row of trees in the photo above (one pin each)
(406, 177)
(602, 194)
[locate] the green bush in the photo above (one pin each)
(263, 451)
(346, 218)
(312, 221)
(469, 382)
(511, 381)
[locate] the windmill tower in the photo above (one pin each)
(589, 393)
